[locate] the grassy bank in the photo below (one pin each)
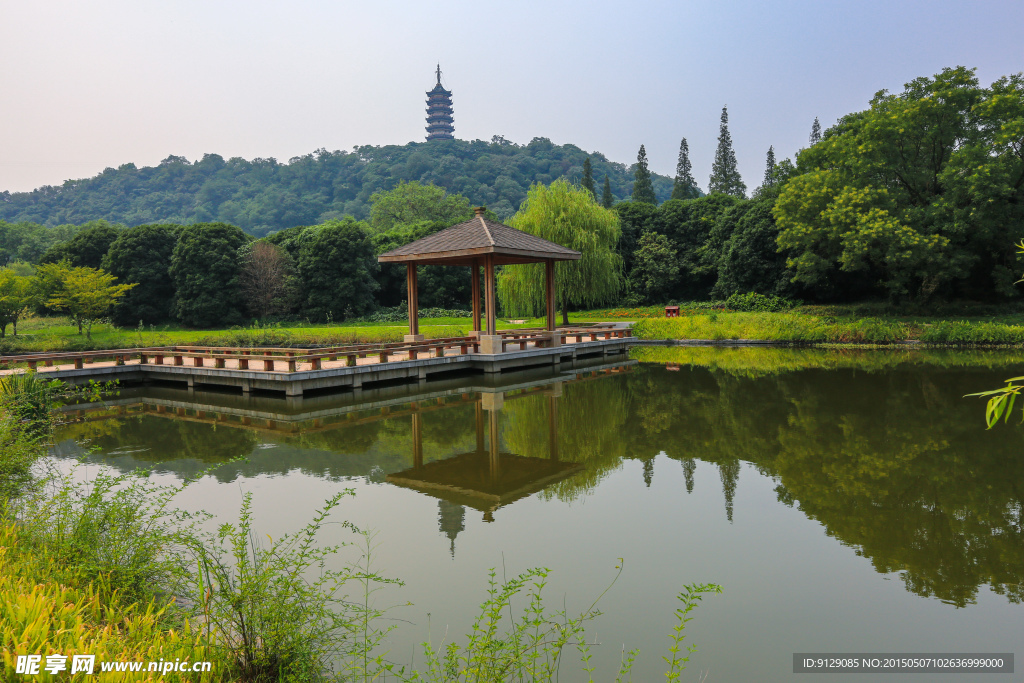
(748, 361)
(807, 328)
(57, 334)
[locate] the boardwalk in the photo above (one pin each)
(295, 371)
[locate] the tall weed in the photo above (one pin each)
(277, 609)
(533, 647)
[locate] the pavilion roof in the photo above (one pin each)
(462, 244)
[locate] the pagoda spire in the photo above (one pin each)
(440, 124)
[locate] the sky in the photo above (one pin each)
(90, 85)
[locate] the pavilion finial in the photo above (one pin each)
(439, 74)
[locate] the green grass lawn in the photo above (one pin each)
(855, 324)
(58, 334)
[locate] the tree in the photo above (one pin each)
(769, 171)
(16, 299)
(85, 295)
(643, 190)
(588, 178)
(815, 136)
(749, 259)
(87, 248)
(725, 175)
(606, 194)
(265, 278)
(635, 218)
(411, 212)
(917, 196)
(204, 270)
(143, 255)
(684, 187)
(336, 270)
(413, 202)
(569, 216)
(655, 268)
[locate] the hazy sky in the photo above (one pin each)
(87, 85)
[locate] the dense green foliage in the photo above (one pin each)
(27, 242)
(143, 255)
(336, 267)
(204, 269)
(921, 195)
(86, 249)
(263, 195)
(655, 267)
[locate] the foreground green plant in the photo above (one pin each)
(122, 528)
(1000, 401)
(279, 612)
(43, 612)
(533, 646)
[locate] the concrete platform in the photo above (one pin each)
(294, 384)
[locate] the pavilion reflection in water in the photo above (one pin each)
(487, 477)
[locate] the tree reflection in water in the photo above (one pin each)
(880, 448)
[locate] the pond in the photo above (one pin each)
(847, 501)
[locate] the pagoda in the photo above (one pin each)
(439, 112)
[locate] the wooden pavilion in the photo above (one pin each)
(475, 243)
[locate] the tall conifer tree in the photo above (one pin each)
(769, 170)
(606, 195)
(725, 176)
(815, 131)
(588, 178)
(685, 187)
(643, 188)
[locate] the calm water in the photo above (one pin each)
(847, 502)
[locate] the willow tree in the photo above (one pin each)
(566, 215)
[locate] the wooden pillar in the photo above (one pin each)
(553, 427)
(414, 314)
(495, 464)
(549, 287)
(479, 426)
(417, 440)
(475, 288)
(489, 293)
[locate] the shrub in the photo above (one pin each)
(532, 646)
(45, 613)
(754, 302)
(278, 610)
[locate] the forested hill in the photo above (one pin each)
(263, 195)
